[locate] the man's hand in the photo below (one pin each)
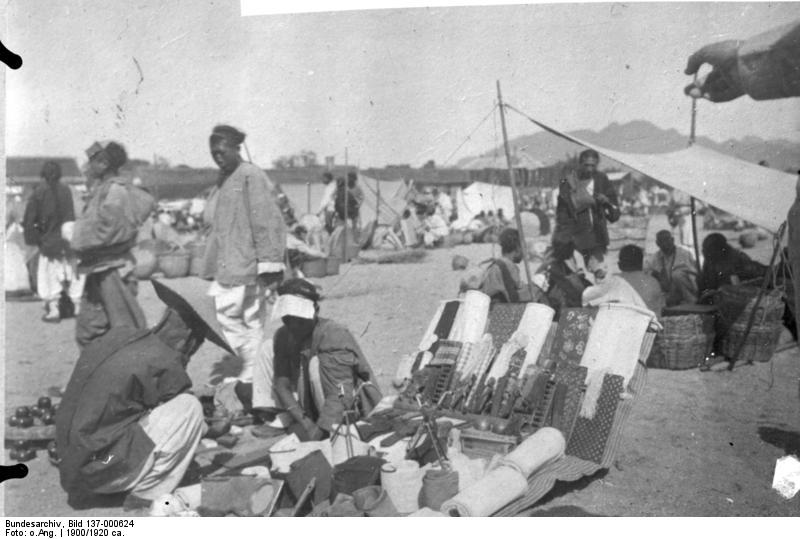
(723, 83)
(313, 432)
(601, 198)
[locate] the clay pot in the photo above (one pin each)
(25, 422)
(13, 421)
(36, 411)
(44, 403)
(23, 411)
(459, 262)
(23, 455)
(48, 417)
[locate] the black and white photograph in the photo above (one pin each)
(300, 260)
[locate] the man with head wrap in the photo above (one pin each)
(102, 238)
(319, 367)
(245, 250)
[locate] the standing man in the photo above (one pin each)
(245, 249)
(586, 201)
(103, 237)
(675, 270)
(49, 207)
(327, 204)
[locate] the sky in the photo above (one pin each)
(391, 86)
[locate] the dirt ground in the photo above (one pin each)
(696, 444)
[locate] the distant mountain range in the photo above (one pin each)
(640, 136)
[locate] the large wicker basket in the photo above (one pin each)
(736, 305)
(684, 342)
(174, 264)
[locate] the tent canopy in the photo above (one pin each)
(757, 194)
(304, 197)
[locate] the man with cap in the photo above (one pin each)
(245, 250)
(319, 367)
(102, 238)
(126, 422)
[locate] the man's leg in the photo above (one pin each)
(176, 428)
(231, 304)
(685, 286)
(48, 284)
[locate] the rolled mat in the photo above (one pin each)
(546, 445)
(535, 324)
(499, 487)
(403, 482)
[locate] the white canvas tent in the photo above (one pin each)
(392, 202)
(757, 194)
(486, 197)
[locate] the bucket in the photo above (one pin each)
(332, 266)
(316, 267)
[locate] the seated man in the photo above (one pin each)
(675, 269)
(501, 281)
(434, 229)
(319, 368)
(632, 285)
(127, 421)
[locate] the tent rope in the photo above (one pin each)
(469, 137)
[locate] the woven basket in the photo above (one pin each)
(759, 345)
(684, 342)
(175, 264)
(736, 306)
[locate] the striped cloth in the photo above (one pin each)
(572, 468)
(447, 353)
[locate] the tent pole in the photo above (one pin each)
(346, 197)
(308, 197)
(514, 194)
(694, 209)
(378, 203)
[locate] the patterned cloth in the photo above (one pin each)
(504, 319)
(445, 323)
(572, 334)
(573, 376)
(447, 353)
(589, 437)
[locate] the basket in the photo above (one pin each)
(146, 262)
(332, 266)
(174, 264)
(683, 344)
(316, 267)
(196, 253)
(759, 344)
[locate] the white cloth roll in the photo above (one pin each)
(403, 482)
(535, 324)
(543, 447)
(499, 487)
(472, 324)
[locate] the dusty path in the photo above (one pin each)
(696, 444)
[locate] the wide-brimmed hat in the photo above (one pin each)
(190, 299)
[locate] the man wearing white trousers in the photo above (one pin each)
(245, 250)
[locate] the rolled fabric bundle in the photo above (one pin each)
(499, 487)
(438, 486)
(544, 446)
(374, 501)
(403, 482)
(535, 325)
(472, 317)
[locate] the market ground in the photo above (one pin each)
(696, 444)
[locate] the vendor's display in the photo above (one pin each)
(31, 428)
(542, 400)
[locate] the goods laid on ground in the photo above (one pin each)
(31, 428)
(404, 256)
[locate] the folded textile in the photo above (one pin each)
(543, 447)
(429, 336)
(499, 487)
(614, 346)
(589, 436)
(573, 377)
(403, 482)
(573, 330)
(240, 495)
(374, 501)
(504, 319)
(438, 486)
(470, 324)
(447, 321)
(313, 465)
(356, 473)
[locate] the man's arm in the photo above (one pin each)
(111, 225)
(266, 220)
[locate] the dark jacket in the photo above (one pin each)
(117, 380)
(716, 273)
(247, 227)
(49, 207)
(573, 225)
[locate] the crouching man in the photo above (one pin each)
(126, 422)
(319, 367)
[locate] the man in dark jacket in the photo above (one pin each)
(49, 207)
(586, 201)
(126, 422)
